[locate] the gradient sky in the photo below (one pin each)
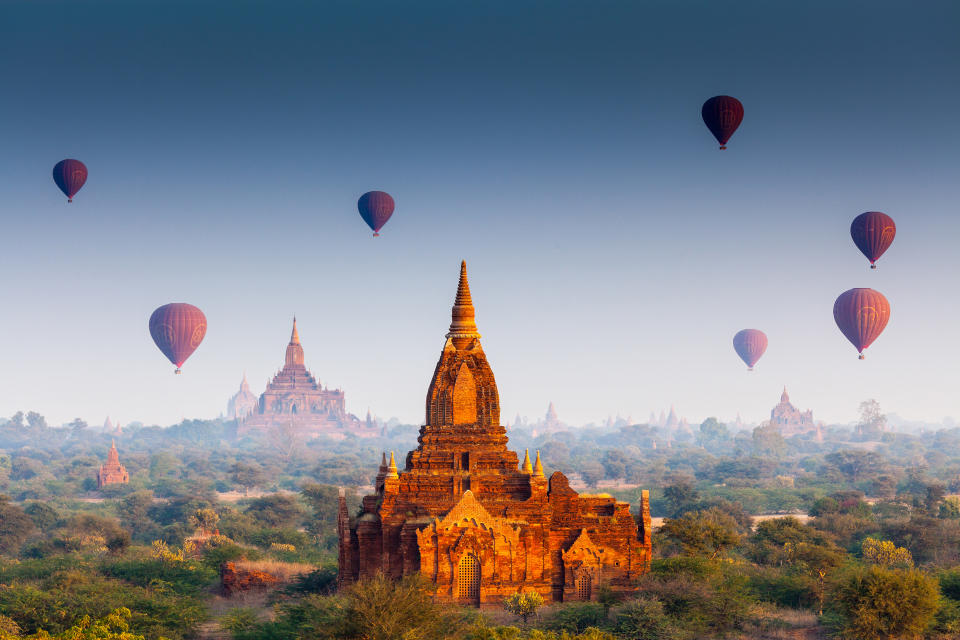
(556, 146)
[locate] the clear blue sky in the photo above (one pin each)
(556, 146)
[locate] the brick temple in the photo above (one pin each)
(295, 400)
(112, 472)
(474, 521)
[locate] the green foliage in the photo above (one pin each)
(375, 609)
(523, 604)
(15, 526)
(578, 617)
(180, 577)
(708, 533)
(878, 603)
(645, 619)
(114, 626)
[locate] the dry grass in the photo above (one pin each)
(284, 570)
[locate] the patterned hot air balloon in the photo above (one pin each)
(722, 115)
(178, 329)
(375, 207)
(70, 175)
(873, 233)
(861, 315)
(750, 345)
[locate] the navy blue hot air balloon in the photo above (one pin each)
(70, 175)
(375, 208)
(722, 115)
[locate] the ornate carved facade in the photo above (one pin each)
(296, 402)
(466, 515)
(112, 472)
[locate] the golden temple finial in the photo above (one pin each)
(294, 336)
(463, 327)
(527, 467)
(392, 468)
(538, 467)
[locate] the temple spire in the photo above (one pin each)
(463, 327)
(784, 397)
(392, 467)
(538, 467)
(294, 336)
(527, 467)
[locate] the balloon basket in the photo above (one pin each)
(749, 368)
(376, 235)
(723, 147)
(861, 357)
(177, 372)
(873, 266)
(69, 200)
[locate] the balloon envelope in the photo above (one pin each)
(861, 314)
(70, 175)
(722, 115)
(750, 345)
(178, 329)
(873, 233)
(375, 207)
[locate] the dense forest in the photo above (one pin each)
(860, 536)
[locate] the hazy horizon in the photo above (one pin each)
(613, 251)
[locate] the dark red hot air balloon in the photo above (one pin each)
(750, 345)
(861, 315)
(178, 329)
(873, 233)
(375, 207)
(70, 175)
(722, 115)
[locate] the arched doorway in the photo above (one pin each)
(468, 579)
(583, 587)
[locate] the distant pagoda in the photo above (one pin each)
(790, 420)
(472, 519)
(112, 472)
(243, 403)
(294, 399)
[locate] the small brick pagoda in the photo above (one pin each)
(472, 520)
(112, 472)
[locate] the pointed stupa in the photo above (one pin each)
(294, 356)
(538, 466)
(107, 425)
(527, 467)
(463, 327)
(392, 467)
(113, 457)
(784, 397)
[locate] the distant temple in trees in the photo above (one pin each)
(474, 521)
(112, 472)
(790, 420)
(295, 400)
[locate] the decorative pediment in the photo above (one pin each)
(467, 509)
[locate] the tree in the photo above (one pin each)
(857, 465)
(523, 604)
(205, 519)
(679, 497)
(277, 510)
(884, 553)
(712, 430)
(36, 421)
(767, 440)
(706, 533)
(43, 515)
(77, 426)
(15, 526)
(247, 475)
(872, 419)
(881, 604)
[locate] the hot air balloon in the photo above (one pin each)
(873, 233)
(375, 207)
(750, 345)
(70, 175)
(722, 115)
(861, 315)
(178, 329)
